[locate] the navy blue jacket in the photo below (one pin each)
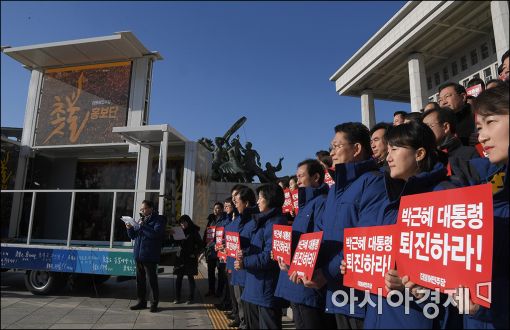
(395, 317)
(479, 171)
(210, 252)
(358, 189)
(148, 238)
(223, 222)
(261, 271)
(244, 225)
(311, 207)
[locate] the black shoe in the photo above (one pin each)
(154, 308)
(227, 313)
(140, 305)
(177, 301)
(209, 294)
(231, 317)
(234, 324)
(190, 302)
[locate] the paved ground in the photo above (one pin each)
(108, 308)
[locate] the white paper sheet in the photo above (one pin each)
(178, 233)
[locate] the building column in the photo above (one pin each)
(417, 81)
(367, 108)
(499, 12)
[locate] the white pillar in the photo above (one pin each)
(417, 81)
(143, 175)
(499, 12)
(367, 109)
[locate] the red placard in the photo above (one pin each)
(305, 255)
(282, 237)
(222, 256)
(209, 234)
(474, 90)
(445, 240)
(295, 200)
(287, 205)
(232, 243)
(328, 179)
(369, 253)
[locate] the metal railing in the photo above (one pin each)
(73, 199)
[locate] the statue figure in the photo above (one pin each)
(270, 172)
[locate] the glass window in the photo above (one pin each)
(474, 57)
(437, 79)
(465, 82)
(429, 82)
(484, 50)
(476, 75)
(446, 75)
(493, 43)
(463, 63)
(455, 69)
(487, 72)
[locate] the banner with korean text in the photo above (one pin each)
(328, 179)
(305, 255)
(295, 200)
(222, 255)
(209, 234)
(282, 236)
(369, 253)
(232, 243)
(445, 240)
(287, 204)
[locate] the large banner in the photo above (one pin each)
(446, 238)
(305, 255)
(81, 105)
(369, 253)
(282, 237)
(232, 243)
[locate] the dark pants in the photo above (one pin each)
(232, 295)
(226, 301)
(263, 317)
(222, 277)
(306, 317)
(144, 270)
(178, 286)
(211, 274)
(241, 306)
(348, 322)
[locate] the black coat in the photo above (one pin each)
(186, 262)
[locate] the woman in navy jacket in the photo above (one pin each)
(307, 303)
(264, 309)
(492, 109)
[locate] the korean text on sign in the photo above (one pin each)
(287, 204)
(369, 254)
(446, 239)
(209, 234)
(282, 237)
(232, 243)
(305, 256)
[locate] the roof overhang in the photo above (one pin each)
(120, 46)
(436, 29)
(150, 134)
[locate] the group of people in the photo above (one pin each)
(451, 144)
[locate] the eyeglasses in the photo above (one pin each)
(337, 146)
(443, 98)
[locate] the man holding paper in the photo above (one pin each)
(148, 237)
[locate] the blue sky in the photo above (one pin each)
(268, 61)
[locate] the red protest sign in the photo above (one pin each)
(328, 179)
(282, 237)
(219, 236)
(232, 243)
(369, 254)
(445, 240)
(287, 204)
(474, 90)
(295, 200)
(305, 255)
(209, 234)
(222, 256)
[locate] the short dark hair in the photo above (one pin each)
(400, 112)
(247, 195)
(500, 69)
(495, 81)
(459, 89)
(413, 116)
(237, 187)
(504, 56)
(378, 126)
(444, 115)
(436, 105)
(476, 81)
(324, 157)
(313, 166)
(356, 133)
(493, 101)
(220, 204)
(415, 135)
(273, 194)
(228, 200)
(148, 203)
(284, 181)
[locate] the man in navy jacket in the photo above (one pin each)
(148, 238)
